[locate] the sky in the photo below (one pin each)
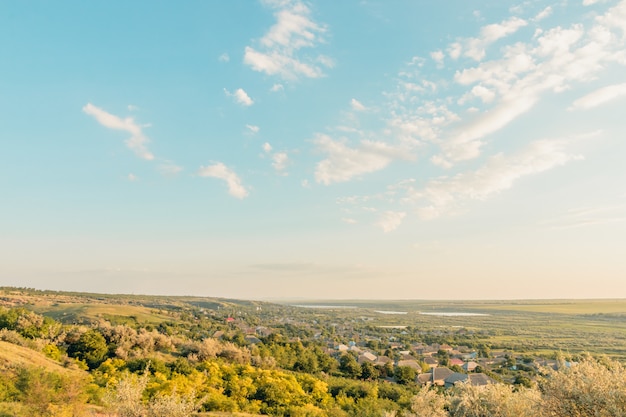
(314, 149)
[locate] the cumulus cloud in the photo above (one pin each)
(240, 97)
(137, 141)
(280, 161)
(390, 220)
(276, 88)
(277, 52)
(267, 147)
(438, 57)
(600, 96)
(344, 163)
(221, 171)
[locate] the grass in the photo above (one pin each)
(68, 312)
(13, 355)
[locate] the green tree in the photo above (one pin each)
(349, 366)
(90, 347)
(405, 375)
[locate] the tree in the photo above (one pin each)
(369, 371)
(349, 366)
(494, 400)
(428, 403)
(405, 375)
(90, 347)
(590, 388)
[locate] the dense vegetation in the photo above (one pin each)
(77, 355)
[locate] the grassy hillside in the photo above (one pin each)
(14, 356)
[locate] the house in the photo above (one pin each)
(253, 340)
(411, 363)
(455, 378)
(440, 374)
(469, 366)
(480, 380)
(432, 362)
(382, 360)
(425, 379)
(366, 357)
(456, 361)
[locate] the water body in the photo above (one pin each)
(451, 314)
(390, 312)
(321, 306)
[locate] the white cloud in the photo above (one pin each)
(600, 96)
(499, 173)
(553, 60)
(278, 48)
(132, 107)
(221, 171)
(589, 216)
(136, 143)
(267, 147)
(357, 105)
(467, 144)
(475, 47)
(224, 57)
(390, 220)
(344, 163)
(169, 169)
(543, 14)
(132, 177)
(438, 57)
(349, 220)
(240, 97)
(276, 88)
(253, 129)
(280, 161)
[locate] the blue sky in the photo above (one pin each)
(357, 149)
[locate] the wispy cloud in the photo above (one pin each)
(543, 14)
(221, 171)
(170, 169)
(499, 173)
(240, 97)
(475, 47)
(599, 96)
(277, 52)
(343, 162)
(137, 141)
(589, 216)
(224, 57)
(357, 105)
(390, 220)
(253, 129)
